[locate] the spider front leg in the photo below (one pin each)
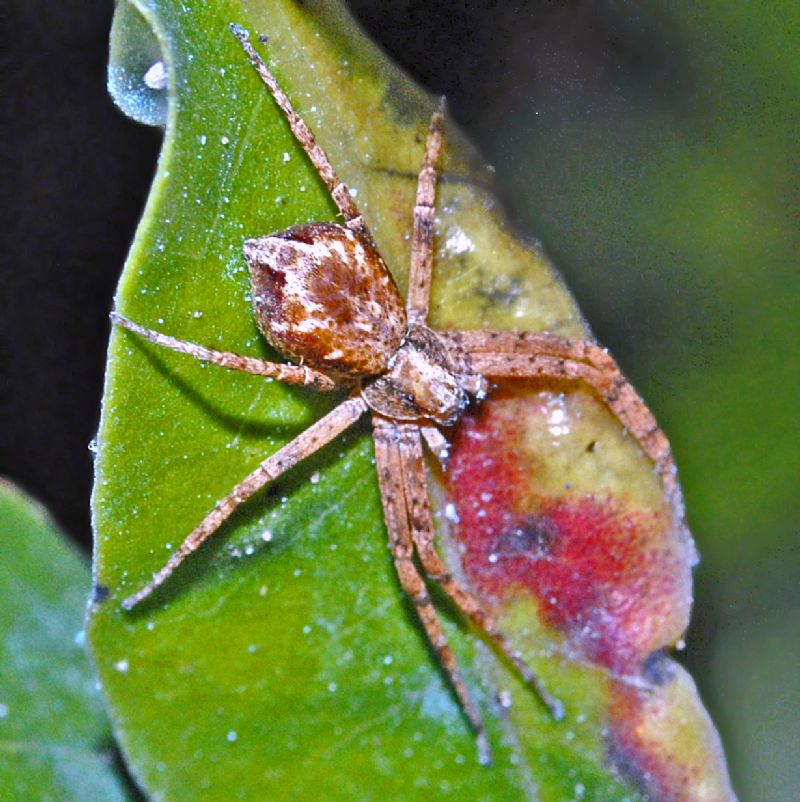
(415, 485)
(338, 189)
(388, 460)
(288, 374)
(419, 282)
(305, 444)
(506, 354)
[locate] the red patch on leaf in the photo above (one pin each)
(605, 573)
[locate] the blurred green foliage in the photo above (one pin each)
(55, 741)
(661, 172)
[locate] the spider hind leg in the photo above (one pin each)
(422, 533)
(403, 483)
(388, 458)
(306, 443)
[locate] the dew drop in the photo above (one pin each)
(156, 76)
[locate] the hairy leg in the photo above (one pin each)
(288, 374)
(305, 444)
(419, 284)
(415, 484)
(339, 191)
(499, 354)
(393, 496)
(437, 443)
(526, 343)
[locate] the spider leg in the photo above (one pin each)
(395, 506)
(419, 285)
(437, 443)
(305, 444)
(524, 355)
(415, 483)
(339, 191)
(528, 342)
(288, 374)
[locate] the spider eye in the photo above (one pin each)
(323, 294)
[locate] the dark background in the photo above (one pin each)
(651, 146)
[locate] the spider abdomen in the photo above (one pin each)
(324, 296)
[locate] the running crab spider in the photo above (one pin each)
(323, 296)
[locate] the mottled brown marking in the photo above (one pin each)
(323, 295)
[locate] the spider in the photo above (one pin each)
(323, 296)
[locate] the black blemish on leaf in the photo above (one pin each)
(533, 536)
(99, 594)
(657, 668)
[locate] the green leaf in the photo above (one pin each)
(55, 742)
(282, 660)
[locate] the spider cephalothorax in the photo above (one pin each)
(323, 295)
(426, 378)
